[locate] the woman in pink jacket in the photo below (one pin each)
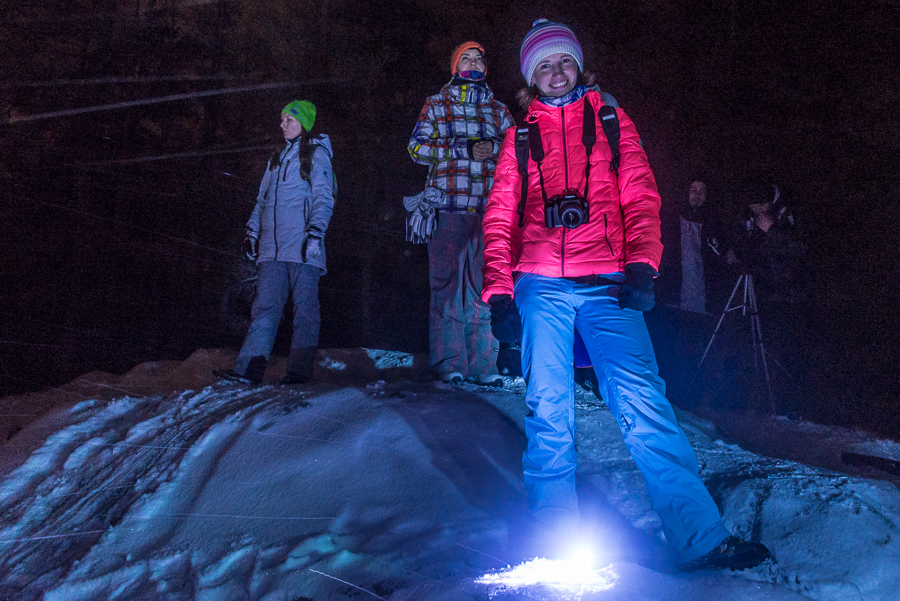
(581, 251)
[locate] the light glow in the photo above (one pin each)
(582, 558)
(565, 576)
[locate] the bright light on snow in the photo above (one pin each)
(583, 557)
(573, 575)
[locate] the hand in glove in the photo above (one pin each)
(251, 247)
(506, 325)
(312, 246)
(637, 291)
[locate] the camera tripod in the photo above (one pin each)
(750, 308)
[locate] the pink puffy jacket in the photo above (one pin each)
(624, 214)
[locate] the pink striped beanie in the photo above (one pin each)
(544, 39)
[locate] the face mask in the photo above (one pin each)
(471, 75)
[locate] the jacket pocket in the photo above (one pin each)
(609, 246)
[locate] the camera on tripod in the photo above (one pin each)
(568, 210)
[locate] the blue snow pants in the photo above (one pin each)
(622, 355)
(277, 280)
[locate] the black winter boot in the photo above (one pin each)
(300, 365)
(734, 553)
(256, 369)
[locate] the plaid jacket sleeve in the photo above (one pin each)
(506, 121)
(427, 146)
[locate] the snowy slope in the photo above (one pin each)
(399, 490)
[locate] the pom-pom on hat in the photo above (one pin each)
(544, 39)
(303, 111)
(458, 52)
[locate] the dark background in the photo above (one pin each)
(121, 227)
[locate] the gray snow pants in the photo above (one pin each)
(277, 280)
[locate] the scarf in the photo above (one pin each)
(569, 98)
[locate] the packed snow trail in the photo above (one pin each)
(89, 476)
(398, 491)
(251, 486)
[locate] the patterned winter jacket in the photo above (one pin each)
(624, 224)
(288, 206)
(450, 123)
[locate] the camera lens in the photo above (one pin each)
(571, 217)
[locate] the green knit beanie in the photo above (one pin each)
(303, 111)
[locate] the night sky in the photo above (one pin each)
(121, 225)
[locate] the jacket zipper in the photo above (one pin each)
(283, 178)
(562, 114)
(275, 216)
(562, 253)
(562, 243)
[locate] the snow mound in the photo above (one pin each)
(374, 482)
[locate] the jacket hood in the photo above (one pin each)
(324, 141)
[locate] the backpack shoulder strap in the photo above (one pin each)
(334, 186)
(608, 99)
(610, 122)
(522, 148)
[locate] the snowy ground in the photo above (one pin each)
(373, 484)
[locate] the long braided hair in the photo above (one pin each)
(305, 154)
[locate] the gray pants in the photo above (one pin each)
(277, 280)
(459, 321)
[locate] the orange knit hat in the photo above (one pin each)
(458, 52)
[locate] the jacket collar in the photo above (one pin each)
(566, 99)
(539, 110)
(467, 93)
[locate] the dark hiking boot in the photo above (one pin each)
(256, 369)
(233, 376)
(301, 362)
(734, 553)
(587, 379)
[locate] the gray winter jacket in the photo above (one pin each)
(288, 206)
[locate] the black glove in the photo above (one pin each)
(312, 246)
(637, 291)
(251, 247)
(506, 325)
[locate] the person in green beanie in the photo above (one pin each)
(286, 239)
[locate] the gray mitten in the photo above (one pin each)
(312, 246)
(251, 247)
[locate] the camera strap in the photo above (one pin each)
(528, 142)
(588, 139)
(522, 159)
(537, 153)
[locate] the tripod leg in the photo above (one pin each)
(759, 348)
(715, 332)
